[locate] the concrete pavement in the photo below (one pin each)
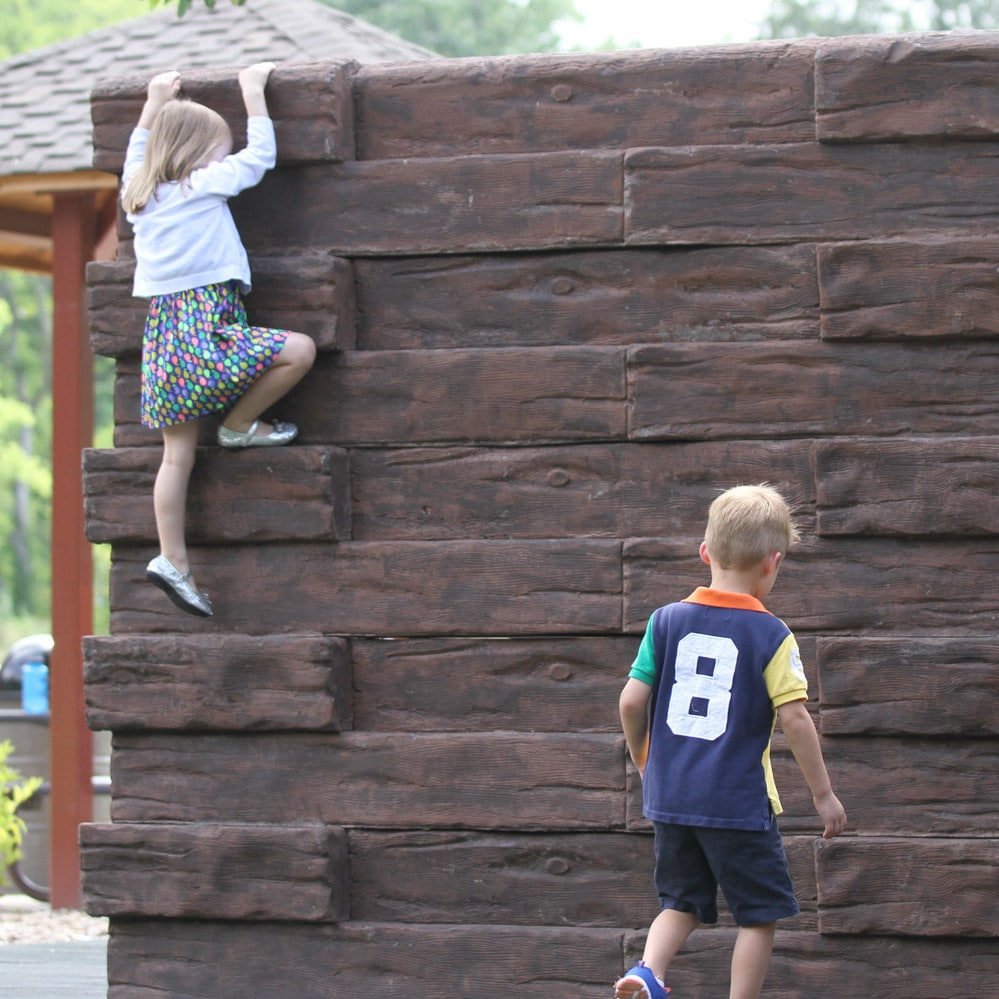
(73, 970)
(48, 970)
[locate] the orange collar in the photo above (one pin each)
(722, 598)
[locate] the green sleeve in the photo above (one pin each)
(644, 666)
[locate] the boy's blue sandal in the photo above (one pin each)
(639, 983)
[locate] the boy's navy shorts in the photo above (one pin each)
(750, 867)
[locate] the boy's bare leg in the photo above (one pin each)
(667, 934)
(751, 959)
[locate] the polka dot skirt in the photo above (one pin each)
(199, 355)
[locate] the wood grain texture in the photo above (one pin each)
(915, 787)
(572, 492)
(496, 588)
(147, 958)
(909, 686)
(910, 486)
(586, 101)
(217, 682)
(587, 297)
(216, 871)
(479, 685)
(255, 495)
(934, 288)
(810, 389)
(882, 89)
(470, 204)
(435, 877)
(867, 886)
(449, 780)
(805, 192)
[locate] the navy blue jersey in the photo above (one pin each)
(720, 664)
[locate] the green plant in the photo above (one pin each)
(14, 791)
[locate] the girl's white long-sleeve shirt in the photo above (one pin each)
(185, 236)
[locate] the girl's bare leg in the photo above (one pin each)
(170, 491)
(290, 366)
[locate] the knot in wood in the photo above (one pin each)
(556, 865)
(562, 285)
(558, 477)
(561, 92)
(560, 671)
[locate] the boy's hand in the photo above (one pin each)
(832, 813)
(255, 77)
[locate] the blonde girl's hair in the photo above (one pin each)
(181, 139)
(746, 524)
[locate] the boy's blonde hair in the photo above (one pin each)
(183, 136)
(746, 524)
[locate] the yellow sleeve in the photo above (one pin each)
(785, 675)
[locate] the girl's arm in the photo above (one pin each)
(252, 82)
(244, 169)
(162, 88)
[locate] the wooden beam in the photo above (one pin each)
(16, 222)
(72, 584)
(73, 182)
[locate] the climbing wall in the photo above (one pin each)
(560, 302)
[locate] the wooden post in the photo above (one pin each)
(73, 231)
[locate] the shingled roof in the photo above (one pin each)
(45, 129)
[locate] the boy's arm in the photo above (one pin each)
(633, 706)
(252, 82)
(799, 730)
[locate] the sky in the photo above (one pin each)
(666, 23)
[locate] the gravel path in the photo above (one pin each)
(23, 920)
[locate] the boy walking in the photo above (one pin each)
(712, 674)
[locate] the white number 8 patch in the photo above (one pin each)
(702, 691)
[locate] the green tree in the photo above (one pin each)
(827, 18)
(30, 24)
(946, 15)
(25, 441)
(456, 27)
(468, 27)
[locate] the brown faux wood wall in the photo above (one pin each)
(560, 301)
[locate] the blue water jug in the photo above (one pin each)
(35, 688)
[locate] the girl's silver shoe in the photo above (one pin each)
(281, 433)
(178, 586)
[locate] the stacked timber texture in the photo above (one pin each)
(560, 302)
